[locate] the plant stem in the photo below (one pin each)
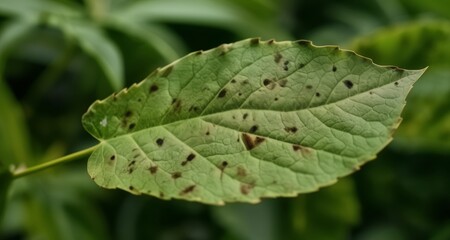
(67, 158)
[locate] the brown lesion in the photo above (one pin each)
(251, 141)
(246, 188)
(300, 148)
(187, 190)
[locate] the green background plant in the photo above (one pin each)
(58, 56)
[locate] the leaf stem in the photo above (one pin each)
(64, 159)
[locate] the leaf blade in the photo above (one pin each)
(269, 122)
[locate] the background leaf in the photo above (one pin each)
(313, 114)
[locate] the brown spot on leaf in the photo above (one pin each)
(396, 83)
(334, 69)
(246, 188)
(291, 129)
(254, 41)
(161, 194)
(241, 172)
(187, 190)
(167, 71)
(222, 93)
(245, 116)
(224, 164)
(176, 103)
(309, 86)
(112, 158)
(176, 175)
(251, 142)
(131, 188)
(153, 88)
(190, 157)
(348, 84)
(233, 80)
(267, 82)
(301, 65)
(317, 94)
(153, 169)
(271, 41)
(282, 82)
(128, 113)
(160, 141)
(300, 148)
(253, 129)
(132, 125)
(277, 57)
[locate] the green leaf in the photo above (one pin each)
(247, 120)
(414, 45)
(203, 12)
(94, 42)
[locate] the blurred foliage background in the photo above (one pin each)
(58, 56)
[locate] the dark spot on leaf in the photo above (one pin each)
(251, 142)
(207, 133)
(183, 163)
(303, 42)
(239, 94)
(222, 93)
(193, 108)
(233, 80)
(246, 188)
(190, 157)
(253, 129)
(334, 68)
(245, 82)
(176, 103)
(128, 113)
(160, 141)
(245, 116)
(137, 155)
(277, 57)
(161, 194)
(176, 175)
(271, 41)
(130, 170)
(132, 125)
(259, 140)
(396, 83)
(112, 158)
(167, 71)
(309, 86)
(254, 41)
(224, 164)
(370, 92)
(286, 62)
(139, 100)
(285, 68)
(348, 84)
(276, 99)
(153, 88)
(198, 52)
(291, 129)
(131, 188)
(304, 150)
(301, 65)
(187, 190)
(267, 82)
(317, 94)
(241, 172)
(153, 169)
(282, 82)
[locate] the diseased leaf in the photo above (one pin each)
(415, 45)
(247, 120)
